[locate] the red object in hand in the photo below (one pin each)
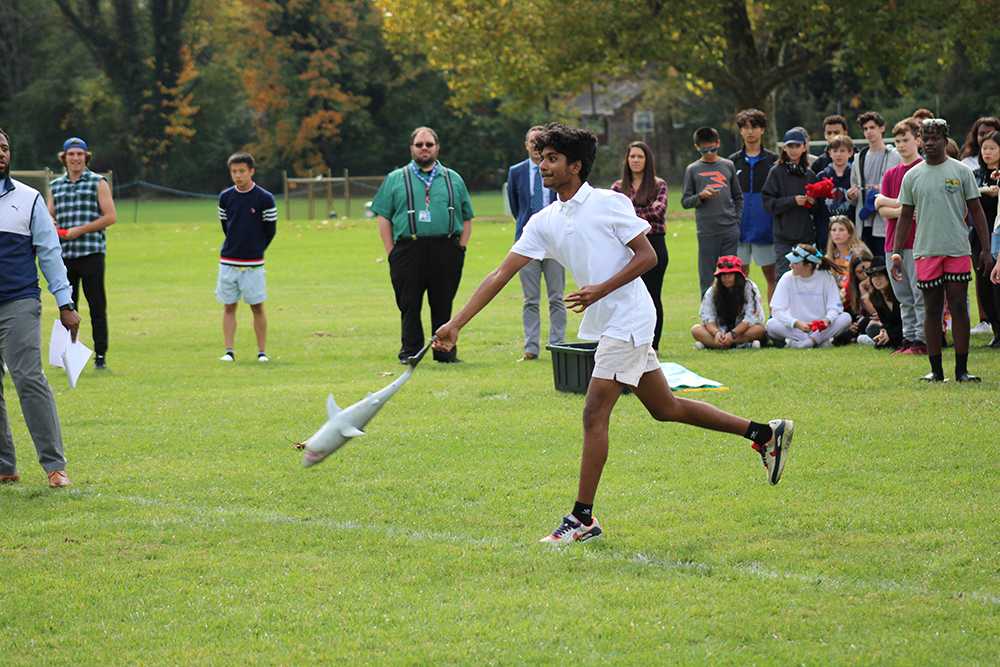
(62, 232)
(817, 325)
(821, 189)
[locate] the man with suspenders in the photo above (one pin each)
(424, 218)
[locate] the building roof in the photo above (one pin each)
(607, 98)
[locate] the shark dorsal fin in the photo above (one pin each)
(349, 431)
(331, 407)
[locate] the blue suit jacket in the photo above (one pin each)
(519, 195)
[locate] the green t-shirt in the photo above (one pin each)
(390, 203)
(939, 193)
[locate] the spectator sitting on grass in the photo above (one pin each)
(887, 331)
(858, 303)
(731, 311)
(806, 310)
(843, 245)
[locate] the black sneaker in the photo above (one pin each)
(968, 377)
(100, 363)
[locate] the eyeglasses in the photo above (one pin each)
(425, 144)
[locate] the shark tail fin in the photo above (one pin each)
(331, 407)
(349, 431)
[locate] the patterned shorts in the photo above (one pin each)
(936, 271)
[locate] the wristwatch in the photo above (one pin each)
(68, 306)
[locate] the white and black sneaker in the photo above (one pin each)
(775, 452)
(572, 530)
(228, 356)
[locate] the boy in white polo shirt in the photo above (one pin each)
(597, 236)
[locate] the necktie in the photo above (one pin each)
(537, 200)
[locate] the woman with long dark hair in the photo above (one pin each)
(989, 190)
(731, 312)
(982, 128)
(649, 196)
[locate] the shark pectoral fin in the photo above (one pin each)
(331, 407)
(349, 431)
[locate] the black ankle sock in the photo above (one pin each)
(583, 513)
(961, 364)
(936, 367)
(759, 433)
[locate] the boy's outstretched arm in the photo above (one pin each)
(447, 333)
(643, 259)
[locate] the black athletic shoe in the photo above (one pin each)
(931, 377)
(100, 363)
(967, 377)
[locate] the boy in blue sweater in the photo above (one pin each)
(249, 219)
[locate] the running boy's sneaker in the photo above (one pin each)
(228, 356)
(262, 358)
(572, 530)
(776, 449)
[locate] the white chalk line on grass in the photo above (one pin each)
(754, 570)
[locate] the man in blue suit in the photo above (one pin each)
(528, 196)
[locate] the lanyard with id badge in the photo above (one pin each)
(424, 215)
(428, 181)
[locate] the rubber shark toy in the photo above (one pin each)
(345, 424)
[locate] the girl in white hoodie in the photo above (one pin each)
(806, 310)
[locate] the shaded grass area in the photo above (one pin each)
(192, 534)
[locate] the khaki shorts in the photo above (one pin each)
(623, 362)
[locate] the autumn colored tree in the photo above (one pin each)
(140, 48)
(742, 49)
(296, 59)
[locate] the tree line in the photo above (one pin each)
(165, 90)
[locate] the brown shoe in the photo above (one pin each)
(58, 478)
(528, 356)
(10, 479)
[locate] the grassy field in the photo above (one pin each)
(193, 536)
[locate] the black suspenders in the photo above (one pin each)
(411, 211)
(451, 202)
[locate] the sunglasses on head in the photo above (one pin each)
(726, 265)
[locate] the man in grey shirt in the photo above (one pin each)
(866, 181)
(712, 189)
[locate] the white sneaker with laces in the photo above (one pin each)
(263, 358)
(865, 339)
(776, 449)
(228, 356)
(572, 530)
(981, 329)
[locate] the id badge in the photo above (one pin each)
(424, 216)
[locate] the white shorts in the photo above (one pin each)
(761, 254)
(241, 281)
(623, 362)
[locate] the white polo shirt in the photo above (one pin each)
(589, 235)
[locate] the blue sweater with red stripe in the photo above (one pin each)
(249, 221)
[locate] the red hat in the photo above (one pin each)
(728, 264)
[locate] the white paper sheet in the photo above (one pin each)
(75, 359)
(680, 378)
(58, 343)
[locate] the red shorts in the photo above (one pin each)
(936, 271)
